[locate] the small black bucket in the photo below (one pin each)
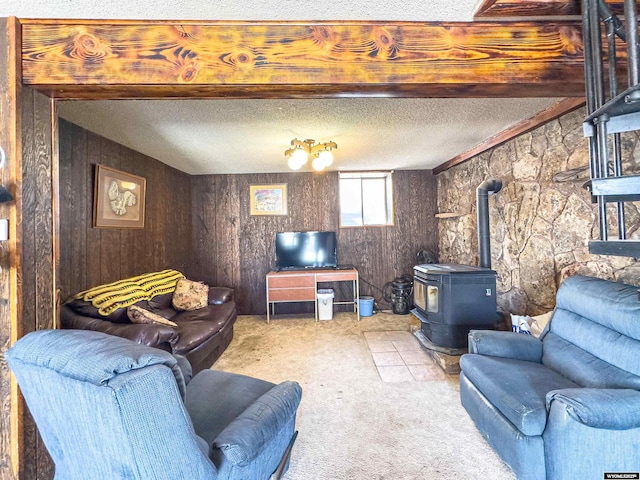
(399, 294)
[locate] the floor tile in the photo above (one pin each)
(383, 359)
(375, 336)
(395, 374)
(399, 357)
(416, 357)
(407, 345)
(381, 346)
(399, 335)
(426, 373)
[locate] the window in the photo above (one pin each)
(366, 199)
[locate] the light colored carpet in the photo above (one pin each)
(352, 424)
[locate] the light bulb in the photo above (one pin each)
(326, 157)
(294, 164)
(297, 159)
(300, 155)
(318, 164)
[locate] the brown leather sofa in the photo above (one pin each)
(201, 335)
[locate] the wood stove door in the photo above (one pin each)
(420, 294)
(426, 295)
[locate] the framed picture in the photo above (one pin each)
(268, 199)
(119, 199)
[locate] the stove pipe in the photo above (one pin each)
(486, 188)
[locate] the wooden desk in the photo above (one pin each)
(302, 286)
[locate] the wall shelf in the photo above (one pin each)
(448, 215)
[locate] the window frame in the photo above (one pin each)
(387, 175)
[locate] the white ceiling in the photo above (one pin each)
(250, 136)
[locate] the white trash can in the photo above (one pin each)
(325, 304)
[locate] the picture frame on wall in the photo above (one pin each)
(268, 199)
(119, 199)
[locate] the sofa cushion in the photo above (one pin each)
(84, 308)
(212, 412)
(589, 370)
(140, 315)
(611, 304)
(197, 326)
(190, 295)
(161, 302)
(160, 305)
(607, 344)
(516, 388)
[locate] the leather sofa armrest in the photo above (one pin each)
(219, 295)
(506, 344)
(153, 335)
(607, 408)
(245, 437)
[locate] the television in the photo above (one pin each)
(300, 250)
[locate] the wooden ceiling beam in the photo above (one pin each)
(79, 59)
(523, 9)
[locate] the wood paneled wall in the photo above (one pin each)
(39, 170)
(10, 407)
(27, 264)
(201, 225)
(92, 256)
(236, 249)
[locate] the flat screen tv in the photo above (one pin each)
(299, 250)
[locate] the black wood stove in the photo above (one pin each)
(452, 299)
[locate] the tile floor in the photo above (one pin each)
(399, 358)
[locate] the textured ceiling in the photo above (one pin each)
(250, 136)
(246, 136)
(420, 10)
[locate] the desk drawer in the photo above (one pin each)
(336, 276)
(292, 294)
(292, 281)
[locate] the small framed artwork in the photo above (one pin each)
(268, 199)
(119, 199)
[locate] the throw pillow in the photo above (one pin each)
(190, 295)
(140, 315)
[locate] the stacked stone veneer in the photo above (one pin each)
(540, 227)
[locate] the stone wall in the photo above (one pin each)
(542, 219)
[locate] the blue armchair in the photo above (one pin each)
(567, 405)
(107, 407)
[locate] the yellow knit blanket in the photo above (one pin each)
(112, 296)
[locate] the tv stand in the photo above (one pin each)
(289, 286)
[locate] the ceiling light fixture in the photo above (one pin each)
(303, 150)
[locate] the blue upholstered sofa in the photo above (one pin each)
(567, 405)
(109, 408)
